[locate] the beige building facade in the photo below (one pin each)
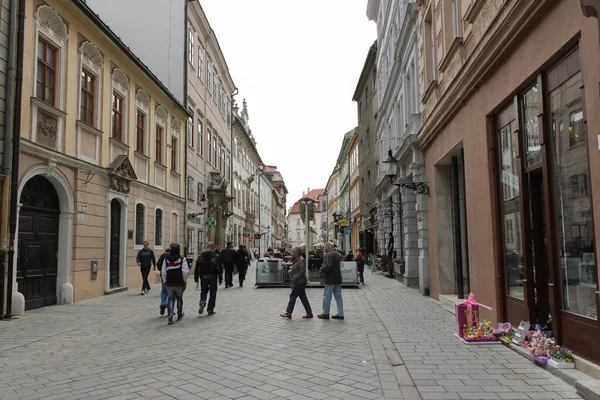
(510, 100)
(209, 140)
(102, 160)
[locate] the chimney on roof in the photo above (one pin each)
(308, 190)
(303, 193)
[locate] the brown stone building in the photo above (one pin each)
(510, 100)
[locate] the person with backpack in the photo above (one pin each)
(228, 261)
(164, 298)
(175, 272)
(208, 270)
(242, 262)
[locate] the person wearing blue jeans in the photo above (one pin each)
(332, 274)
(163, 292)
(175, 272)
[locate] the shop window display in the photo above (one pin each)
(576, 250)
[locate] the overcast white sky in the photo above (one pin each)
(297, 63)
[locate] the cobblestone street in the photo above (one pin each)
(393, 344)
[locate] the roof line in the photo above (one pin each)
(117, 40)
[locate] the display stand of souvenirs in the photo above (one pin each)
(469, 328)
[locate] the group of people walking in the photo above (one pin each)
(208, 275)
(332, 276)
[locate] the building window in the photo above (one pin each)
(174, 227)
(297, 235)
(201, 63)
(215, 151)
(200, 138)
(200, 237)
(190, 188)
(191, 47)
(455, 32)
(174, 154)
(200, 191)
(190, 132)
(215, 91)
(159, 144)
(158, 228)
(576, 135)
(208, 150)
(117, 116)
(579, 185)
(46, 72)
(140, 219)
(87, 97)
(140, 132)
(190, 241)
(209, 77)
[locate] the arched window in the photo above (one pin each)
(158, 228)
(140, 219)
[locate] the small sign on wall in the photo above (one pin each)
(80, 218)
(130, 234)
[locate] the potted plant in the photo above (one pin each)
(401, 264)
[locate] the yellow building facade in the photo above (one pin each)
(102, 162)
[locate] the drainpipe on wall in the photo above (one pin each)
(16, 148)
(232, 191)
(8, 123)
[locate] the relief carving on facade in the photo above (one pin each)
(121, 174)
(46, 129)
(217, 180)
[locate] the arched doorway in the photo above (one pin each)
(115, 243)
(38, 243)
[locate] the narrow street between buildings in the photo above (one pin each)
(393, 344)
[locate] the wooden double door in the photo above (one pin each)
(546, 251)
(37, 262)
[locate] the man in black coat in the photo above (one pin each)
(228, 257)
(242, 261)
(208, 270)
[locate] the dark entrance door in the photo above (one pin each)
(115, 242)
(38, 243)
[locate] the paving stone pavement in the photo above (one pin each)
(393, 344)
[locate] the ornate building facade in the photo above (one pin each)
(102, 160)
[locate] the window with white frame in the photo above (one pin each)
(119, 111)
(201, 63)
(175, 129)
(190, 188)
(215, 92)
(190, 240)
(208, 143)
(160, 135)
(141, 134)
(200, 144)
(216, 151)
(190, 130)
(158, 228)
(52, 37)
(192, 34)
(200, 237)
(140, 224)
(209, 76)
(90, 73)
(200, 193)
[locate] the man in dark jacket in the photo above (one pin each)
(332, 274)
(360, 265)
(242, 261)
(228, 261)
(174, 273)
(163, 292)
(208, 270)
(145, 259)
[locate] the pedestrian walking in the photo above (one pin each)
(175, 272)
(164, 298)
(242, 261)
(145, 259)
(332, 274)
(360, 266)
(228, 260)
(208, 270)
(299, 280)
